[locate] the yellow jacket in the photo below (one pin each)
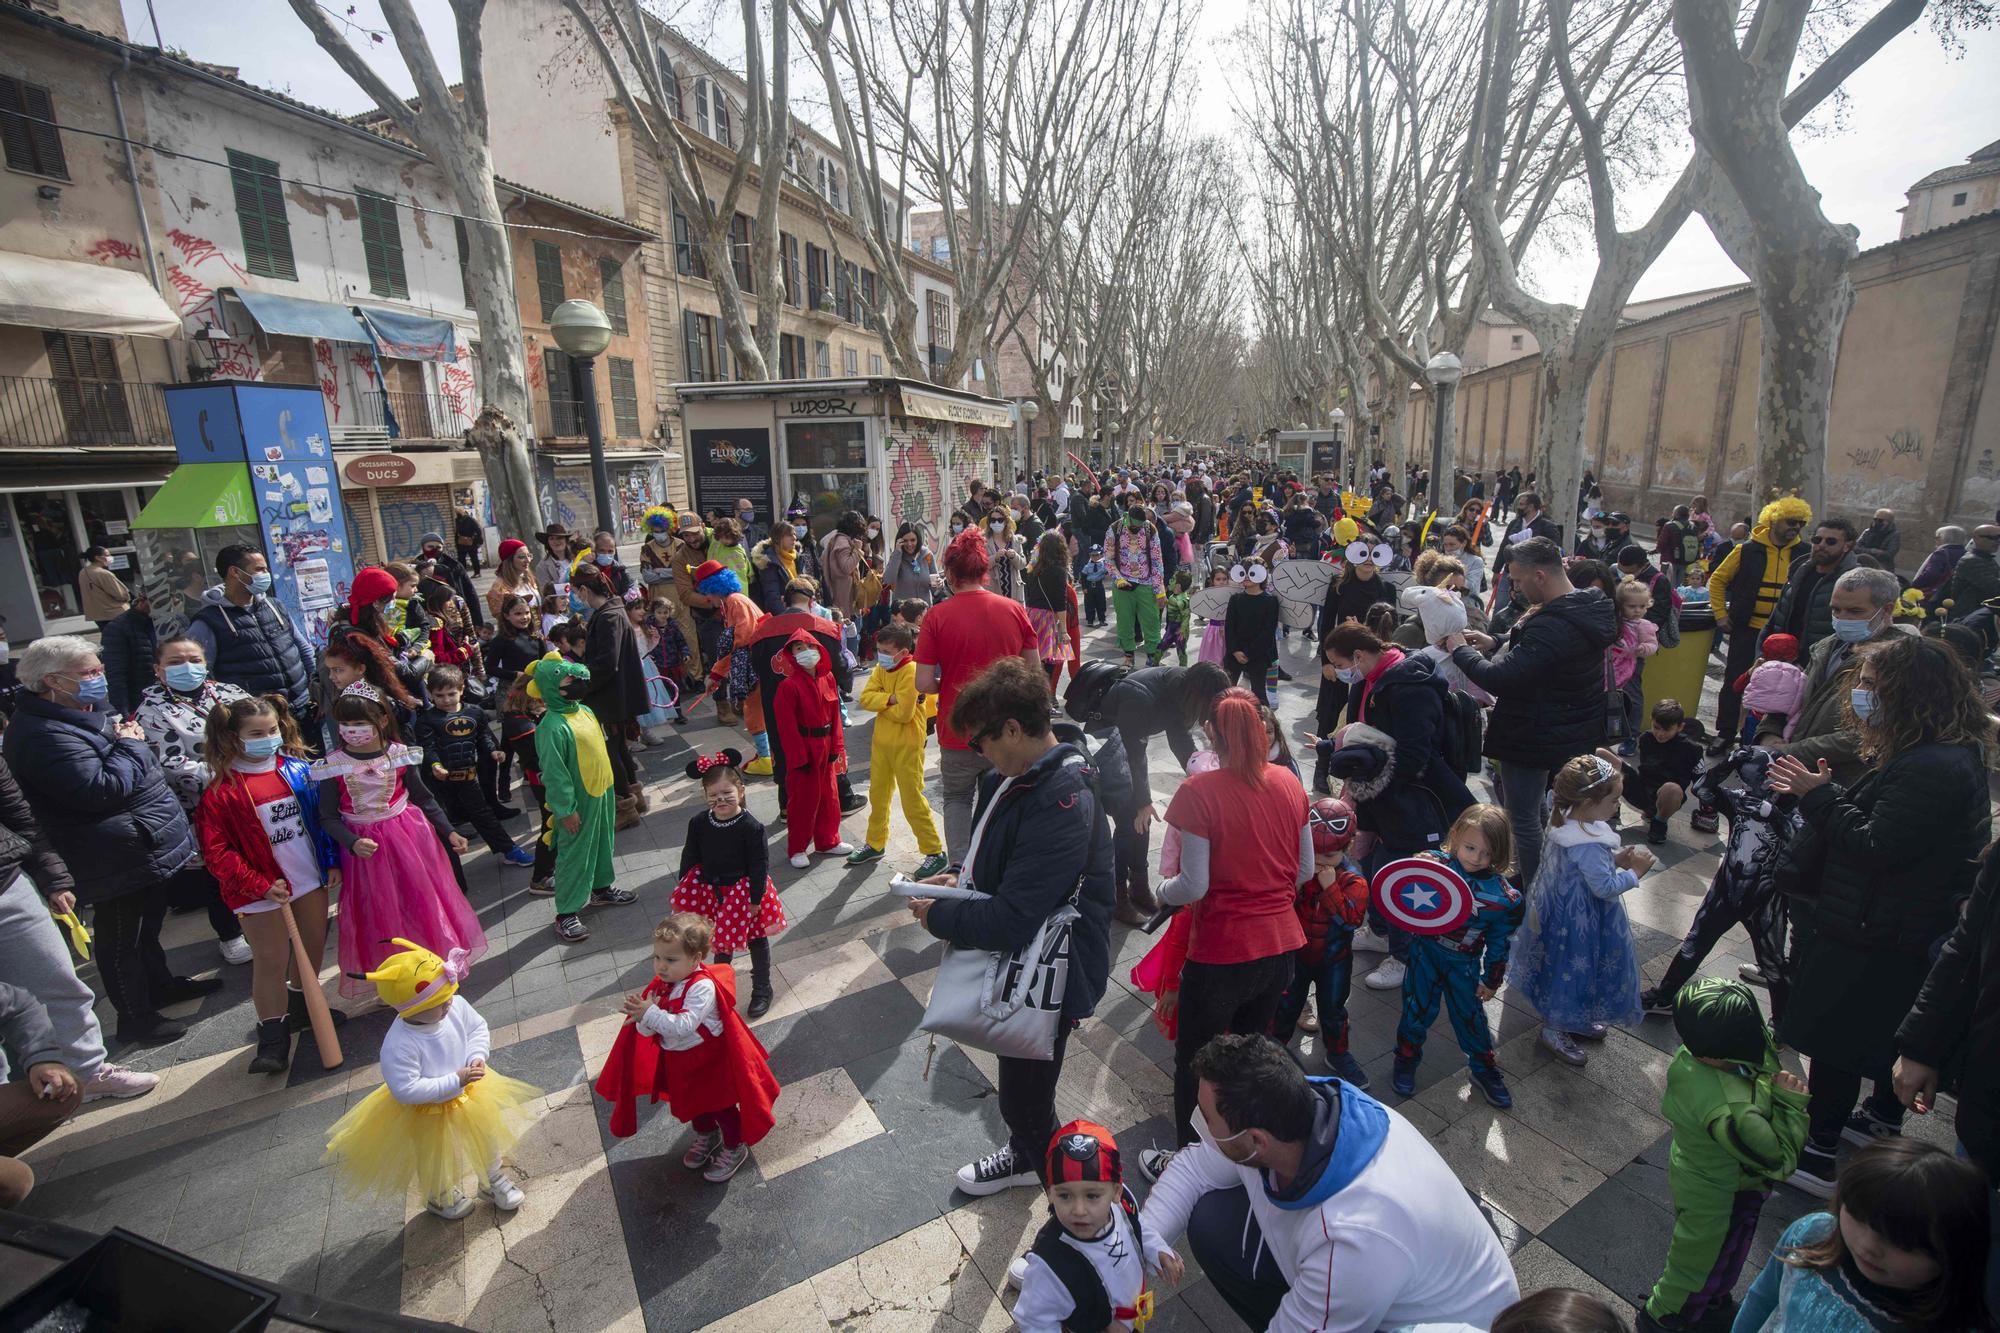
(898, 726)
(1776, 569)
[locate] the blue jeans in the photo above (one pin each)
(1521, 792)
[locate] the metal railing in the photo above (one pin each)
(43, 413)
(419, 416)
(564, 419)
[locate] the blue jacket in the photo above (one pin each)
(1046, 840)
(128, 645)
(102, 800)
(254, 647)
(1497, 910)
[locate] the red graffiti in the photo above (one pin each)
(110, 248)
(455, 386)
(198, 250)
(916, 483)
(328, 377)
(365, 363)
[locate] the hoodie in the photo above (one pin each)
(806, 709)
(1549, 681)
(1373, 1232)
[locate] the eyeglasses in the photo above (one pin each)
(1828, 541)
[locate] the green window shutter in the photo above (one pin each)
(614, 295)
(549, 276)
(624, 397)
(382, 245)
(260, 212)
(32, 145)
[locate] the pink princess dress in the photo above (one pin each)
(407, 889)
(1211, 642)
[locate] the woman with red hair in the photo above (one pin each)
(1245, 849)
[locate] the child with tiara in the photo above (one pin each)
(1574, 960)
(395, 878)
(441, 1114)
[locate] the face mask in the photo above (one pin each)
(260, 583)
(1853, 631)
(1272, 753)
(262, 747)
(873, 533)
(576, 605)
(93, 689)
(357, 734)
(807, 658)
(958, 527)
(605, 561)
(1862, 702)
(998, 525)
(1347, 675)
(1201, 1132)
(799, 530)
(186, 676)
(6, 652)
(659, 537)
(888, 661)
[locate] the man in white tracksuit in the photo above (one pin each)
(1311, 1206)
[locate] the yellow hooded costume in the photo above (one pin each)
(1761, 559)
(896, 754)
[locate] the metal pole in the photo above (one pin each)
(600, 475)
(1441, 487)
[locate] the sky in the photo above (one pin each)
(1910, 111)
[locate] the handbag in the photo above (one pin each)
(1614, 707)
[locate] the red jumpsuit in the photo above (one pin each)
(806, 713)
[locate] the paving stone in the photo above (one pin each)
(822, 1115)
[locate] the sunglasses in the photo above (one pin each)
(1828, 541)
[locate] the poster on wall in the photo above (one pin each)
(1326, 456)
(731, 464)
(304, 524)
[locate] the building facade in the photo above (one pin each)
(1953, 194)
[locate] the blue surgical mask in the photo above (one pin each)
(578, 606)
(93, 689)
(887, 660)
(799, 529)
(605, 560)
(260, 583)
(1861, 701)
(1853, 631)
(186, 676)
(262, 747)
(1347, 675)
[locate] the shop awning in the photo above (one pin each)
(966, 411)
(202, 495)
(410, 337)
(81, 298)
(300, 318)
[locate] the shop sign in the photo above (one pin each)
(380, 470)
(822, 407)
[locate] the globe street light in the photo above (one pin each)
(1029, 409)
(1339, 462)
(582, 331)
(1443, 371)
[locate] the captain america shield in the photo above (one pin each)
(1422, 896)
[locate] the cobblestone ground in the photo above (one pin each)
(846, 1216)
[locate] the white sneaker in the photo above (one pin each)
(1370, 940)
(503, 1193)
(1017, 1272)
(839, 849)
(1386, 977)
(995, 1172)
(117, 1081)
(450, 1209)
(236, 951)
(801, 861)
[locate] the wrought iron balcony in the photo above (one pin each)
(45, 413)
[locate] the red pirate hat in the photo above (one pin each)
(1084, 1150)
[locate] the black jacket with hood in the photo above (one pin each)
(1549, 681)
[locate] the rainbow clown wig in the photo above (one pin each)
(659, 519)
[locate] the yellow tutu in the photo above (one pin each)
(382, 1147)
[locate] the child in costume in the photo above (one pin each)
(1744, 889)
(807, 715)
(1093, 575)
(1211, 631)
(261, 838)
(1773, 688)
(1638, 639)
(1464, 967)
(896, 751)
(683, 1043)
(396, 881)
(576, 775)
(1087, 1267)
(1331, 906)
(731, 679)
(1574, 961)
(1738, 1122)
(1250, 629)
(726, 873)
(1174, 626)
(520, 714)
(441, 1114)
(1159, 972)
(456, 743)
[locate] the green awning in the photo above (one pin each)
(202, 495)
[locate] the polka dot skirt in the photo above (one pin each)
(737, 922)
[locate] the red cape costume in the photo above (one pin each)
(733, 1069)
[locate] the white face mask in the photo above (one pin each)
(807, 658)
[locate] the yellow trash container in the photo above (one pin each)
(1677, 672)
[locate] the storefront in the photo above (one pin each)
(393, 499)
(638, 482)
(897, 449)
(1307, 453)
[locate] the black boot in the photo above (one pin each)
(760, 977)
(1142, 891)
(298, 1019)
(274, 1046)
(1125, 909)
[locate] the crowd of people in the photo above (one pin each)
(241, 769)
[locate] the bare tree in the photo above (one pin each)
(451, 129)
(625, 40)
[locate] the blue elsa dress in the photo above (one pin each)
(1573, 958)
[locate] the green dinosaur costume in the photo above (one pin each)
(1735, 1133)
(576, 774)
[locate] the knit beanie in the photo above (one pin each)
(1781, 648)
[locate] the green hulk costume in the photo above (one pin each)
(1735, 1133)
(576, 774)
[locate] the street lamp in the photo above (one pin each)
(1443, 371)
(1029, 409)
(1340, 460)
(582, 331)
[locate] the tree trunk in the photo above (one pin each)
(1558, 456)
(1803, 299)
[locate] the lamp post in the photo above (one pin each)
(1443, 371)
(582, 331)
(1340, 460)
(1029, 410)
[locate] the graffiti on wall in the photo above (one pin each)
(455, 383)
(199, 303)
(916, 480)
(109, 249)
(325, 372)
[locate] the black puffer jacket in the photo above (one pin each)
(1407, 702)
(1046, 840)
(1139, 707)
(1549, 681)
(103, 800)
(1954, 1026)
(23, 846)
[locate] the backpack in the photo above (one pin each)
(1462, 737)
(1690, 545)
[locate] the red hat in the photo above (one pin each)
(706, 568)
(511, 545)
(371, 585)
(1084, 1150)
(1781, 648)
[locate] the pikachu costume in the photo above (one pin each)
(576, 774)
(425, 1126)
(896, 755)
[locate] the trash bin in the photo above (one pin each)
(135, 1285)
(1677, 672)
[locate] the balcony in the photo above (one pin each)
(70, 413)
(419, 416)
(561, 419)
